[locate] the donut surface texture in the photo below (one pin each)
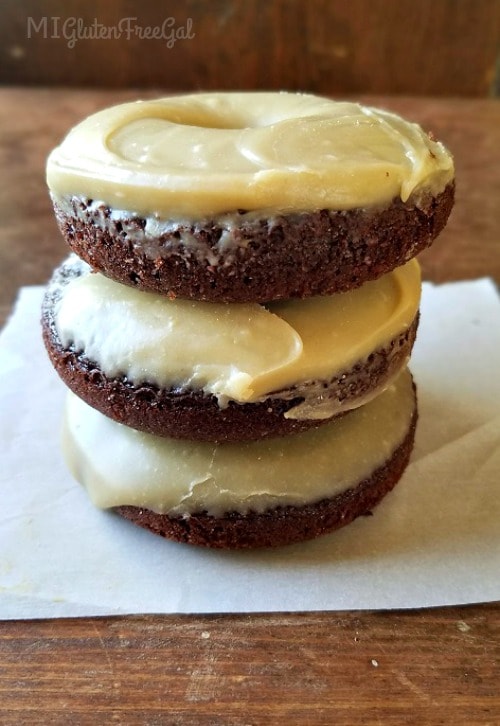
(251, 494)
(241, 197)
(101, 341)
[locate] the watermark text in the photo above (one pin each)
(72, 30)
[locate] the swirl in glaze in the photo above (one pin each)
(201, 155)
(241, 352)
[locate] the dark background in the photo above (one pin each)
(414, 47)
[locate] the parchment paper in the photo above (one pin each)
(435, 540)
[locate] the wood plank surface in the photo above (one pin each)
(431, 667)
(439, 666)
(328, 46)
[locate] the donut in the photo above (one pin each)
(220, 372)
(258, 494)
(248, 197)
(238, 309)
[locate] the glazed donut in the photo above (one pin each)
(262, 493)
(241, 197)
(218, 372)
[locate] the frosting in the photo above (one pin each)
(239, 352)
(209, 153)
(120, 466)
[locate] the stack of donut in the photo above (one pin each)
(236, 317)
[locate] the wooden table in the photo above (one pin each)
(438, 666)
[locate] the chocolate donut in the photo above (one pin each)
(248, 197)
(256, 494)
(218, 372)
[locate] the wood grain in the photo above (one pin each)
(328, 46)
(431, 667)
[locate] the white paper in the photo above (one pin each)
(435, 540)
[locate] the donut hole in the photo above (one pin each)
(207, 119)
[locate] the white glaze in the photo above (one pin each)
(239, 352)
(210, 153)
(120, 466)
